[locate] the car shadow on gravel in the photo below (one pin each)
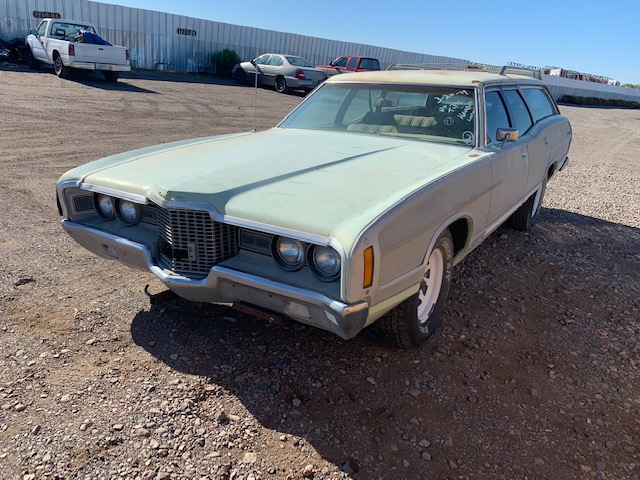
(96, 80)
(353, 400)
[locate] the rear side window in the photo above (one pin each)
(518, 110)
(369, 64)
(352, 62)
(539, 103)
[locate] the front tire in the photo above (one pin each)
(59, 68)
(34, 64)
(412, 322)
(240, 76)
(525, 217)
(281, 85)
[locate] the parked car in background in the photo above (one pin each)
(353, 210)
(70, 44)
(350, 64)
(284, 72)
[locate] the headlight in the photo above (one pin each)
(128, 212)
(289, 253)
(325, 262)
(105, 205)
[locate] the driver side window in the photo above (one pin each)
(496, 116)
(341, 62)
(42, 29)
(262, 59)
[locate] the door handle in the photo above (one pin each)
(546, 140)
(524, 153)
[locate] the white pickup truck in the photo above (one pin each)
(69, 44)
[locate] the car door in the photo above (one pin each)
(38, 47)
(510, 162)
(549, 137)
(272, 69)
(259, 64)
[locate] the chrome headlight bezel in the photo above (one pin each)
(100, 201)
(288, 261)
(128, 212)
(318, 264)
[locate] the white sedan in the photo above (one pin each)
(284, 72)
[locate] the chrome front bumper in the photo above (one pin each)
(228, 285)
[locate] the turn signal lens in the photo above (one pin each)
(367, 280)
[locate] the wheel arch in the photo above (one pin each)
(460, 226)
(459, 229)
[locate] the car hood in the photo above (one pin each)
(324, 183)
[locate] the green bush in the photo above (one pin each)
(598, 102)
(224, 62)
(631, 85)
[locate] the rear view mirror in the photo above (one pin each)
(507, 135)
(385, 102)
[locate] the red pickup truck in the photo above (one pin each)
(350, 64)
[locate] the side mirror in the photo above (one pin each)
(33, 32)
(253, 62)
(505, 135)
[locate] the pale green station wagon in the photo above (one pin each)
(353, 210)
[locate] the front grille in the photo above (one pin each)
(191, 242)
(83, 203)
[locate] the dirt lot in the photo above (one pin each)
(534, 373)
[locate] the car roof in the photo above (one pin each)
(432, 77)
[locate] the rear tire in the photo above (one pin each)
(412, 322)
(111, 76)
(525, 217)
(281, 85)
(58, 67)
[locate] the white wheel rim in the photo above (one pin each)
(536, 203)
(430, 286)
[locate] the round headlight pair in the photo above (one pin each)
(109, 207)
(290, 254)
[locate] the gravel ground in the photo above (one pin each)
(534, 373)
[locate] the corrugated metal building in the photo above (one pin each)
(165, 41)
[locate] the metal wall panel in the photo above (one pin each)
(560, 86)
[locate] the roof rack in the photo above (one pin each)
(508, 69)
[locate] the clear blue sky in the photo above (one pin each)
(597, 37)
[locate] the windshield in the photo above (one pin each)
(419, 112)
